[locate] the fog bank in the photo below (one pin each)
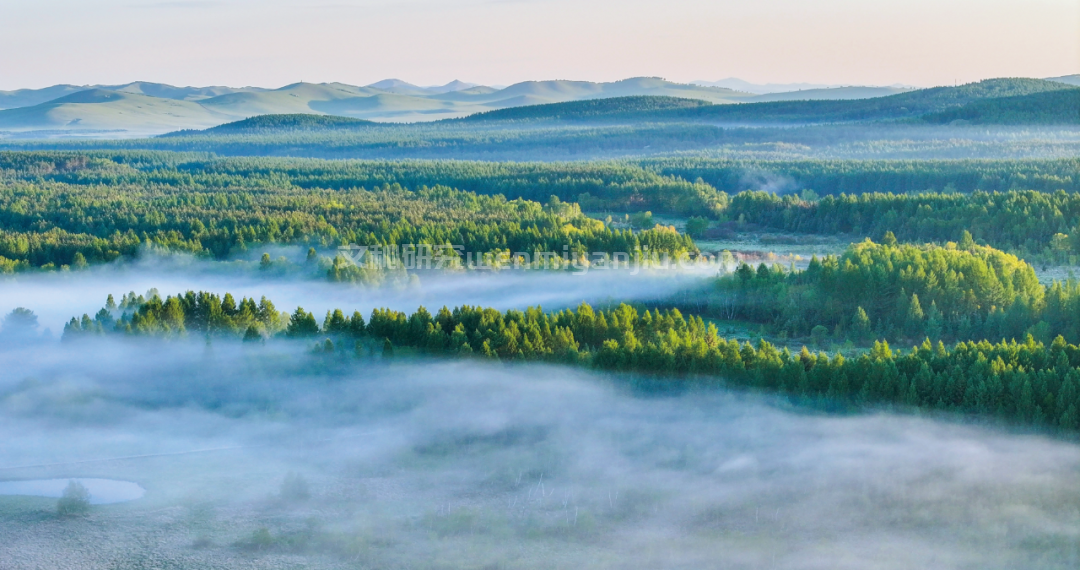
(463, 464)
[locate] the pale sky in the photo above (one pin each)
(271, 43)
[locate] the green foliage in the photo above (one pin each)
(1052, 107)
(276, 123)
(98, 210)
(302, 324)
(977, 292)
(1026, 382)
(696, 226)
(1025, 221)
(864, 180)
(202, 313)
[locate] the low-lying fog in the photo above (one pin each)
(269, 457)
(57, 296)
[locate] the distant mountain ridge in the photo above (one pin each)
(388, 100)
(771, 88)
(996, 101)
(1034, 102)
(142, 108)
(1067, 79)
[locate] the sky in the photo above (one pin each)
(271, 43)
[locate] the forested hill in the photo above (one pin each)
(269, 124)
(586, 110)
(1005, 94)
(1048, 108)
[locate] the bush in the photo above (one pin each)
(696, 226)
(261, 539)
(75, 500)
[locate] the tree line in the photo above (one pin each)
(1040, 223)
(1027, 382)
(686, 185)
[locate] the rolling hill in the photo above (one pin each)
(263, 124)
(909, 105)
(30, 97)
(1010, 100)
(589, 109)
(1027, 102)
(1068, 79)
(154, 108)
(830, 94)
(1049, 108)
(388, 100)
(100, 109)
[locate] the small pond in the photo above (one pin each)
(102, 491)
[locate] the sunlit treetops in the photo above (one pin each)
(890, 290)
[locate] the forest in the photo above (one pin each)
(49, 224)
(900, 291)
(114, 203)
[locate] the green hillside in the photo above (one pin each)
(589, 109)
(900, 106)
(906, 105)
(263, 124)
(1049, 108)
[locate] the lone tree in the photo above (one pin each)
(19, 323)
(696, 226)
(74, 501)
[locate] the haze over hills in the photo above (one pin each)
(100, 109)
(143, 108)
(1073, 79)
(770, 88)
(1023, 100)
(830, 94)
(389, 100)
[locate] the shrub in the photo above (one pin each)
(75, 500)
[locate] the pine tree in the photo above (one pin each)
(914, 318)
(860, 325)
(967, 243)
(252, 334)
